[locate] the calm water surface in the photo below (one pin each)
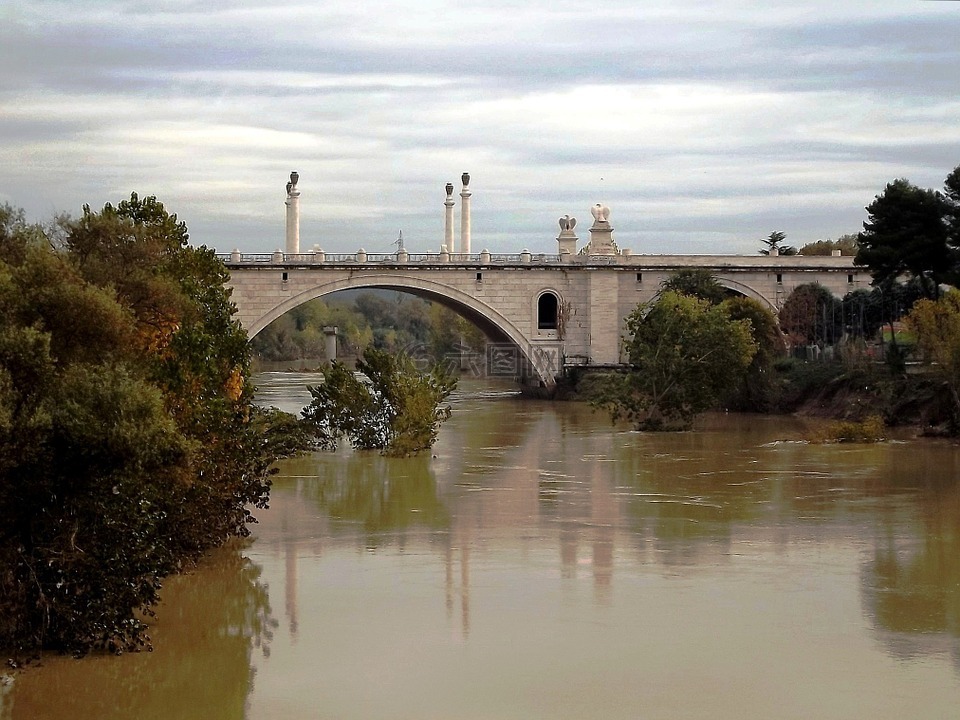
(545, 564)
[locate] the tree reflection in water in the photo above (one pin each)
(911, 590)
(384, 496)
(205, 633)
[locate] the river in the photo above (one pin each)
(543, 563)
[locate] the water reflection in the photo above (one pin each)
(384, 496)
(543, 563)
(204, 635)
(911, 582)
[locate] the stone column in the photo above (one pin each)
(465, 215)
(330, 344)
(448, 219)
(293, 215)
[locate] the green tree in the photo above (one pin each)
(192, 348)
(393, 407)
(863, 312)
(696, 282)
(390, 321)
(774, 242)
(756, 389)
(129, 441)
(936, 325)
(684, 354)
(450, 334)
(16, 235)
(906, 234)
(88, 454)
(951, 193)
(846, 244)
(811, 314)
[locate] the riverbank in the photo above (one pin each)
(832, 390)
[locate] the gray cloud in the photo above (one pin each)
(705, 127)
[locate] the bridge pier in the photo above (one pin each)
(330, 343)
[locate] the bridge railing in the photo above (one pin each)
(402, 258)
(655, 263)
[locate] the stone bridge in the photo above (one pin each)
(541, 312)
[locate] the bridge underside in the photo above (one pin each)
(512, 354)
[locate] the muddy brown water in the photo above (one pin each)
(543, 563)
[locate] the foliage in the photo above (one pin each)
(907, 235)
(870, 430)
(951, 196)
(811, 314)
(128, 438)
(863, 312)
(390, 321)
(450, 334)
(936, 325)
(798, 380)
(393, 407)
(684, 354)
(16, 236)
(756, 390)
(696, 282)
(773, 242)
(846, 244)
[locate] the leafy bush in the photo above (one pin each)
(869, 430)
(393, 407)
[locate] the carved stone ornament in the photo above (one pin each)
(601, 213)
(567, 223)
(449, 189)
(465, 179)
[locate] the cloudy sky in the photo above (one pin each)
(704, 126)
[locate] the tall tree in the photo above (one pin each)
(397, 409)
(774, 241)
(684, 353)
(811, 314)
(936, 325)
(696, 282)
(756, 389)
(129, 441)
(906, 235)
(951, 191)
(863, 312)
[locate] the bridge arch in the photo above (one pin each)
(747, 291)
(740, 289)
(492, 322)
